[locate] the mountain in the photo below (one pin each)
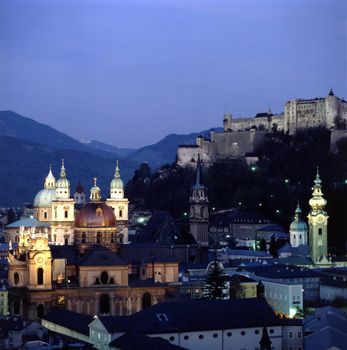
(18, 126)
(101, 146)
(24, 166)
(165, 150)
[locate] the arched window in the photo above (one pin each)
(104, 304)
(40, 276)
(66, 214)
(66, 240)
(98, 238)
(146, 300)
(112, 237)
(320, 231)
(16, 239)
(45, 215)
(40, 310)
(16, 278)
(121, 213)
(83, 237)
(104, 277)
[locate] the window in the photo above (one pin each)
(146, 300)
(104, 277)
(272, 331)
(229, 334)
(45, 215)
(104, 304)
(215, 335)
(299, 335)
(121, 213)
(243, 333)
(256, 331)
(40, 276)
(320, 231)
(172, 338)
(186, 337)
(290, 334)
(98, 238)
(201, 336)
(66, 214)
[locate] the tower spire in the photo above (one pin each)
(50, 180)
(62, 170)
(198, 174)
(95, 193)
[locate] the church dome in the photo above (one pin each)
(44, 198)
(95, 214)
(298, 224)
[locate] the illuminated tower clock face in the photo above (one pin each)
(320, 218)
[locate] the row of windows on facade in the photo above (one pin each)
(66, 214)
(243, 333)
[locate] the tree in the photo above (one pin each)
(215, 283)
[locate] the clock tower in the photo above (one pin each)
(318, 223)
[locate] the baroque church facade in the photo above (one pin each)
(79, 259)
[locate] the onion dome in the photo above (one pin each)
(116, 182)
(317, 202)
(298, 224)
(95, 214)
(63, 182)
(95, 193)
(79, 188)
(44, 197)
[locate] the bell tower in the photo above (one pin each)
(63, 213)
(198, 218)
(119, 204)
(318, 223)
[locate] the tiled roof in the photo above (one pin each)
(27, 222)
(101, 257)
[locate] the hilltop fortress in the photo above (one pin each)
(241, 136)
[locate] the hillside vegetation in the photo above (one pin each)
(283, 176)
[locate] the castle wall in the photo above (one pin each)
(236, 144)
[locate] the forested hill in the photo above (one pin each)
(284, 175)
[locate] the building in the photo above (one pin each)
(88, 271)
(326, 329)
(241, 286)
(298, 230)
(291, 275)
(55, 208)
(199, 324)
(318, 224)
(198, 202)
(328, 112)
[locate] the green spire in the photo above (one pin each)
(116, 182)
(62, 170)
(317, 202)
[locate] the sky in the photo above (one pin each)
(129, 72)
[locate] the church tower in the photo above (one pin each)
(198, 219)
(119, 204)
(79, 195)
(63, 215)
(42, 201)
(298, 229)
(318, 223)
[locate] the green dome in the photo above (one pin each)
(117, 183)
(44, 198)
(298, 224)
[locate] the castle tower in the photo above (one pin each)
(298, 229)
(119, 204)
(198, 219)
(63, 214)
(318, 223)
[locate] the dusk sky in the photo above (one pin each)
(130, 72)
